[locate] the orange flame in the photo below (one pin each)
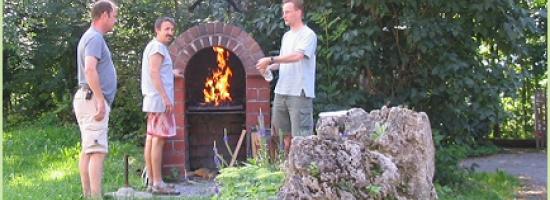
(217, 87)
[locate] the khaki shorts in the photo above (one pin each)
(292, 114)
(93, 133)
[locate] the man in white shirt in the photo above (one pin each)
(295, 89)
(157, 86)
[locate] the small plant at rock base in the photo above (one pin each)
(379, 130)
(345, 185)
(376, 170)
(314, 170)
(374, 190)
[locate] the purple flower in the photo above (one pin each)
(225, 138)
(216, 159)
(217, 189)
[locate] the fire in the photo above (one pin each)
(217, 87)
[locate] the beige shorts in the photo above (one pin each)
(93, 133)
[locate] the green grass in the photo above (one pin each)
(483, 185)
(41, 162)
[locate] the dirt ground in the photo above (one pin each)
(529, 165)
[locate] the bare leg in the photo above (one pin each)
(96, 174)
(273, 146)
(147, 157)
(156, 159)
(84, 174)
(288, 142)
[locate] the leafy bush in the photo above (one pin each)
(249, 182)
(460, 63)
(447, 171)
(257, 179)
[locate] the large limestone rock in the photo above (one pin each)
(385, 154)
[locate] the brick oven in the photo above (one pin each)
(203, 51)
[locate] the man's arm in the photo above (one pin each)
(155, 61)
(90, 71)
(288, 58)
(264, 62)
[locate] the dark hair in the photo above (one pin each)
(298, 4)
(100, 7)
(161, 20)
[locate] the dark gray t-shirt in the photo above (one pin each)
(93, 44)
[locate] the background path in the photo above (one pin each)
(529, 165)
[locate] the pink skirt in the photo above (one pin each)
(161, 124)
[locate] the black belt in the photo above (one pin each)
(84, 86)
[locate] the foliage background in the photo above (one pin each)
(472, 66)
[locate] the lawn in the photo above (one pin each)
(41, 162)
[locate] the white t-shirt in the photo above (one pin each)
(152, 101)
(298, 76)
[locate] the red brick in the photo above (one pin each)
(205, 42)
(257, 54)
(241, 53)
(178, 63)
(180, 121)
(224, 40)
(178, 95)
(227, 29)
(251, 121)
(179, 110)
(237, 46)
(215, 41)
(231, 44)
(194, 31)
(210, 28)
(172, 159)
(197, 44)
(242, 36)
(255, 82)
(168, 147)
(190, 49)
(202, 30)
(179, 85)
(252, 93)
(235, 31)
(264, 92)
(180, 146)
(187, 37)
(218, 27)
(254, 107)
